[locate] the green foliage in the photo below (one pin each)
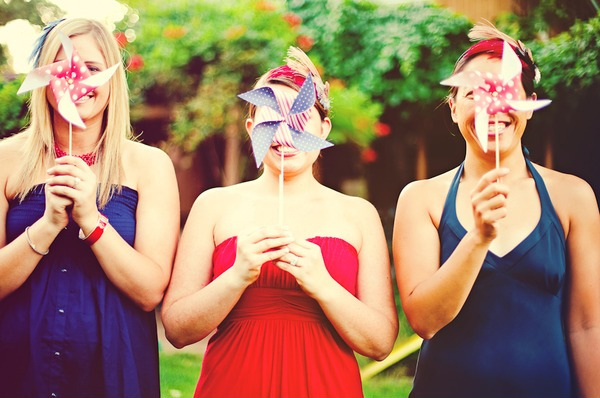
(179, 374)
(353, 115)
(205, 55)
(545, 18)
(13, 108)
(30, 10)
(570, 62)
(394, 53)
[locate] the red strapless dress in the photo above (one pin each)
(277, 342)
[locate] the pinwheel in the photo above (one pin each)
(281, 120)
(69, 79)
(495, 94)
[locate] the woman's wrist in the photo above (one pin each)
(91, 235)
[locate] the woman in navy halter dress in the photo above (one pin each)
(498, 268)
(89, 239)
(292, 301)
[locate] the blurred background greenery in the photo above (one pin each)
(188, 59)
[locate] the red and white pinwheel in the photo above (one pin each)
(69, 80)
(495, 94)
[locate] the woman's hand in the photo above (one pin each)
(71, 178)
(257, 247)
(488, 200)
(305, 262)
(57, 206)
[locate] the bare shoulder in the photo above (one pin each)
(145, 164)
(11, 157)
(569, 193)
(429, 193)
(146, 155)
(221, 197)
(11, 149)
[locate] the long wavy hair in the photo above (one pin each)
(38, 136)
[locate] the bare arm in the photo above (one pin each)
(368, 323)
(584, 290)
(432, 295)
(18, 259)
(194, 306)
(141, 272)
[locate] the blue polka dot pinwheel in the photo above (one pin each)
(281, 121)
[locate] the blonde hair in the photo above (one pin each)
(38, 148)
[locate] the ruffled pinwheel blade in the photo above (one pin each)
(529, 105)
(100, 78)
(511, 65)
(68, 110)
(69, 79)
(263, 96)
(262, 138)
(464, 79)
(35, 79)
(307, 142)
(306, 97)
(482, 120)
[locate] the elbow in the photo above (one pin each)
(381, 354)
(425, 334)
(424, 328)
(380, 350)
(150, 301)
(175, 340)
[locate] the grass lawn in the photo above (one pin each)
(179, 373)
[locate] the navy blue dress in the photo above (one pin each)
(509, 339)
(68, 331)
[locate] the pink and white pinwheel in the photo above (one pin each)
(282, 119)
(69, 80)
(493, 93)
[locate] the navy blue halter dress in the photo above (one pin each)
(68, 331)
(509, 338)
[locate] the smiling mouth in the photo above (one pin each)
(497, 127)
(85, 98)
(284, 150)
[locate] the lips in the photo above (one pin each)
(85, 98)
(497, 127)
(285, 150)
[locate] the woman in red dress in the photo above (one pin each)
(291, 303)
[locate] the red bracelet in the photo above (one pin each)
(97, 232)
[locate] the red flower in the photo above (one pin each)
(368, 155)
(136, 62)
(121, 39)
(305, 42)
(292, 19)
(381, 129)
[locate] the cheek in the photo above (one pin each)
(51, 98)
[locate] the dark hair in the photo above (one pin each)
(490, 43)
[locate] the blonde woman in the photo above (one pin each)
(88, 240)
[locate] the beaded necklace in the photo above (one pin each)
(88, 158)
